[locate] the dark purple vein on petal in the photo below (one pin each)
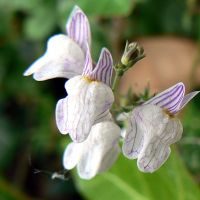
(162, 97)
(174, 99)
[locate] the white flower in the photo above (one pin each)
(153, 127)
(65, 54)
(89, 98)
(89, 93)
(97, 153)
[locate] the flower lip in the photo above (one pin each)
(86, 104)
(149, 134)
(96, 154)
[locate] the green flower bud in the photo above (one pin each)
(133, 52)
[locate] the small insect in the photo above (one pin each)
(62, 174)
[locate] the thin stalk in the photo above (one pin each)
(115, 85)
(115, 82)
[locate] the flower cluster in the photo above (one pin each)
(85, 113)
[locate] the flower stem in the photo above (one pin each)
(118, 74)
(115, 82)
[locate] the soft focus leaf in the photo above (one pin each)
(40, 23)
(190, 143)
(124, 181)
(18, 4)
(103, 7)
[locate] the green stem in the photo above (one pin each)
(115, 89)
(115, 82)
(118, 75)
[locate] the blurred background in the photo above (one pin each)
(31, 147)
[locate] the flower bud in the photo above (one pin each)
(133, 52)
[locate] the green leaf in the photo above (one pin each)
(40, 23)
(18, 4)
(125, 181)
(189, 145)
(103, 7)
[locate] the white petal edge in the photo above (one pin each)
(72, 155)
(187, 99)
(89, 164)
(101, 150)
(110, 158)
(63, 58)
(61, 121)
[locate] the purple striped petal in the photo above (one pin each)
(78, 28)
(88, 68)
(170, 99)
(103, 69)
(187, 98)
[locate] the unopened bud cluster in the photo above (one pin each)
(133, 52)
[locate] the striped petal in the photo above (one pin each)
(86, 105)
(88, 67)
(103, 69)
(187, 98)
(155, 159)
(78, 28)
(133, 139)
(63, 58)
(169, 99)
(156, 149)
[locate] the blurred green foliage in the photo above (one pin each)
(29, 138)
(124, 181)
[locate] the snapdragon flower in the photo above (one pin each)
(89, 94)
(97, 153)
(89, 98)
(65, 54)
(153, 127)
